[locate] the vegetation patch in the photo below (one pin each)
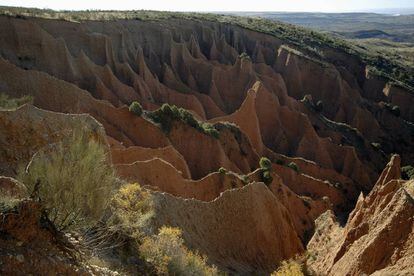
(407, 172)
(168, 254)
(245, 56)
(293, 166)
(11, 103)
(73, 180)
(136, 108)
(394, 109)
(166, 114)
(222, 170)
(266, 170)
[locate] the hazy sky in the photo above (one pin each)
(217, 5)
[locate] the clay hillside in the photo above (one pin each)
(149, 143)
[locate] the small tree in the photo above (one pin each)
(265, 163)
(293, 166)
(136, 108)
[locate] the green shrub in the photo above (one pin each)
(244, 55)
(293, 166)
(396, 110)
(136, 108)
(132, 209)
(319, 106)
(407, 172)
(222, 170)
(10, 103)
(245, 179)
(265, 163)
(168, 254)
(266, 177)
(266, 168)
(166, 114)
(376, 146)
(73, 180)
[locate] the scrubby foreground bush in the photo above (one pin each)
(72, 179)
(289, 268)
(132, 208)
(166, 251)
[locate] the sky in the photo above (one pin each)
(218, 5)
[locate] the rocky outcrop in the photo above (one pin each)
(132, 154)
(243, 231)
(379, 235)
(28, 129)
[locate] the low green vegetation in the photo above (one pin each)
(244, 55)
(6, 102)
(289, 268)
(266, 170)
(136, 108)
(319, 106)
(265, 163)
(394, 109)
(222, 170)
(166, 114)
(407, 172)
(132, 209)
(280, 162)
(293, 166)
(376, 146)
(72, 179)
(168, 254)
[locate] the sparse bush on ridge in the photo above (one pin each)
(396, 110)
(376, 146)
(10, 103)
(136, 108)
(244, 55)
(265, 163)
(167, 252)
(166, 114)
(222, 170)
(293, 166)
(72, 179)
(266, 168)
(280, 162)
(407, 172)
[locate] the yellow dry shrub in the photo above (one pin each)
(132, 208)
(168, 254)
(289, 268)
